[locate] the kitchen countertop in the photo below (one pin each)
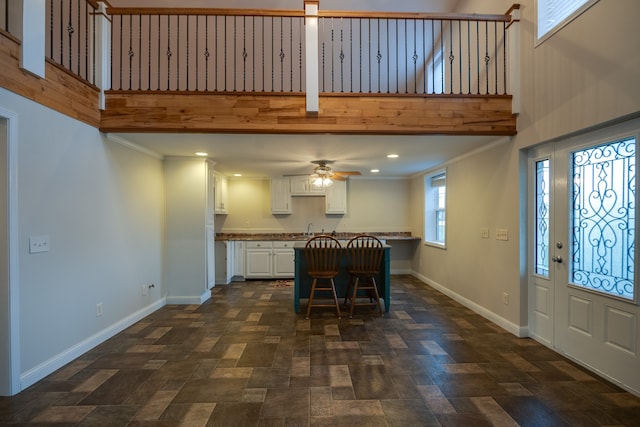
(302, 237)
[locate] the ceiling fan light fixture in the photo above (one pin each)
(319, 181)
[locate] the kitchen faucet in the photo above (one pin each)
(309, 229)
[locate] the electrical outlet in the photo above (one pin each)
(505, 298)
(38, 244)
(99, 309)
(145, 290)
(484, 233)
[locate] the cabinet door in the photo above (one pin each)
(299, 185)
(336, 198)
(303, 186)
(238, 258)
(221, 194)
(220, 263)
(280, 196)
(230, 261)
(283, 265)
(258, 263)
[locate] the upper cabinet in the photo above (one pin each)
(283, 188)
(303, 186)
(280, 196)
(221, 197)
(336, 198)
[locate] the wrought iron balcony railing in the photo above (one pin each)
(227, 50)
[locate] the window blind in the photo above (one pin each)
(438, 180)
(553, 12)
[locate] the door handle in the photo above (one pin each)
(557, 259)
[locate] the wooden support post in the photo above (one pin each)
(311, 45)
(32, 35)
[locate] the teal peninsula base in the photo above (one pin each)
(302, 285)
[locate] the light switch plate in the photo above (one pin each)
(484, 233)
(38, 244)
(502, 234)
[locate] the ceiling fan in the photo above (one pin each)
(323, 174)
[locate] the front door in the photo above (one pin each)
(583, 289)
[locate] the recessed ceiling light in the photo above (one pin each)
(237, 174)
(375, 170)
(201, 154)
(392, 156)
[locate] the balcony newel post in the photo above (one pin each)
(32, 35)
(513, 40)
(103, 51)
(311, 46)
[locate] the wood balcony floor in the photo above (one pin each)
(245, 358)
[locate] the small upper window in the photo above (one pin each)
(552, 14)
(435, 209)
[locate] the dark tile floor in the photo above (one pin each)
(245, 358)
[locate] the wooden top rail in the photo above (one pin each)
(202, 11)
(416, 15)
(300, 13)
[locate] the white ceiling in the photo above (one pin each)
(273, 155)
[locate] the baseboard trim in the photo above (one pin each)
(401, 271)
(189, 300)
(47, 367)
(519, 331)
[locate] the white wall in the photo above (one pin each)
(373, 205)
(583, 76)
(101, 205)
(185, 192)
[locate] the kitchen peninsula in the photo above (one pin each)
(303, 281)
(241, 256)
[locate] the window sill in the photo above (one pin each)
(436, 245)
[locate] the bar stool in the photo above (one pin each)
(364, 254)
(322, 254)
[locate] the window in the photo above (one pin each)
(435, 208)
(553, 14)
(542, 218)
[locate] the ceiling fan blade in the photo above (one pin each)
(347, 173)
(338, 178)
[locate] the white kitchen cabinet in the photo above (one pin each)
(238, 258)
(258, 260)
(336, 198)
(269, 260)
(303, 186)
(224, 262)
(283, 259)
(221, 197)
(280, 196)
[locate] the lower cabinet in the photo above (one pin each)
(224, 262)
(283, 263)
(267, 260)
(257, 260)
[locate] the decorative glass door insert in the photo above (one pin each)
(603, 218)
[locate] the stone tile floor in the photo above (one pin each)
(245, 358)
